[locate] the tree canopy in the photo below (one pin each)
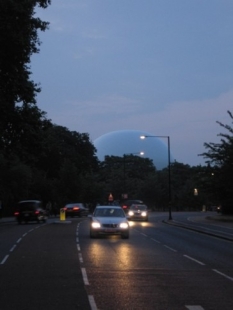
(219, 156)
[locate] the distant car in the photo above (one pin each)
(109, 220)
(30, 210)
(127, 203)
(76, 209)
(138, 212)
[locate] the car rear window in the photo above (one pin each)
(27, 206)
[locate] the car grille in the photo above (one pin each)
(110, 225)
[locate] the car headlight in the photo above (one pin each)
(124, 225)
(95, 225)
(144, 213)
(130, 213)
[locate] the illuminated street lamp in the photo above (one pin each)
(169, 169)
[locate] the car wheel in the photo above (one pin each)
(125, 235)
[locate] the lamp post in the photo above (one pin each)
(169, 169)
(138, 153)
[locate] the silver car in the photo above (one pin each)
(109, 220)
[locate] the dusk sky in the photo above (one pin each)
(160, 66)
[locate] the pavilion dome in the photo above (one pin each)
(118, 143)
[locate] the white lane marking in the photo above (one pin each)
(143, 234)
(80, 258)
(25, 234)
(19, 240)
(92, 302)
(222, 274)
(168, 247)
(195, 260)
(194, 307)
(155, 240)
(78, 247)
(4, 259)
(77, 240)
(85, 279)
(12, 249)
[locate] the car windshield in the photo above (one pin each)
(140, 207)
(109, 212)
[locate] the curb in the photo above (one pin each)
(197, 230)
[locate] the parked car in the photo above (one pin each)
(109, 220)
(127, 203)
(30, 210)
(76, 209)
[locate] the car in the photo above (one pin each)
(127, 203)
(109, 220)
(76, 209)
(138, 212)
(30, 210)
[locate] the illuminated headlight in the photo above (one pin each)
(144, 213)
(124, 225)
(130, 213)
(95, 225)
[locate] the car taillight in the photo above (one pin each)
(124, 207)
(16, 213)
(65, 209)
(75, 208)
(37, 212)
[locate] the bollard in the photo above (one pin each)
(62, 215)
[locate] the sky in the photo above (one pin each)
(160, 66)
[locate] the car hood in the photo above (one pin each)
(109, 220)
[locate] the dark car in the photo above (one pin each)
(30, 210)
(138, 212)
(127, 203)
(76, 209)
(109, 220)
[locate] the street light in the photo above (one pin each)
(169, 169)
(138, 153)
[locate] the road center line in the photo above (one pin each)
(4, 259)
(12, 249)
(155, 240)
(19, 240)
(222, 274)
(195, 260)
(168, 247)
(85, 279)
(92, 302)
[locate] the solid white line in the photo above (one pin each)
(12, 249)
(195, 260)
(19, 240)
(4, 259)
(222, 274)
(194, 307)
(85, 279)
(92, 302)
(170, 248)
(155, 240)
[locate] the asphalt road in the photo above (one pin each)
(161, 266)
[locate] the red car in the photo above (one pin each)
(76, 209)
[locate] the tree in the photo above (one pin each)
(220, 157)
(18, 41)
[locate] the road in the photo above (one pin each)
(161, 266)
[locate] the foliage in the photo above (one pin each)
(220, 158)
